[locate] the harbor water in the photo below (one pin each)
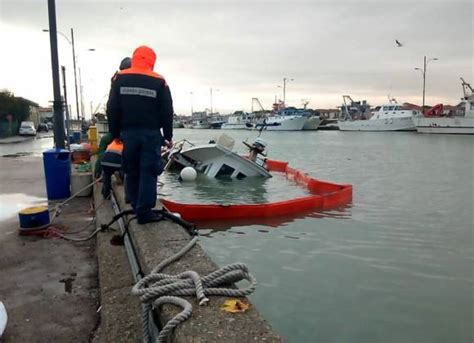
(393, 266)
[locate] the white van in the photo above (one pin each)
(27, 128)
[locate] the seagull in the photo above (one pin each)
(399, 45)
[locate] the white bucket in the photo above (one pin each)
(79, 181)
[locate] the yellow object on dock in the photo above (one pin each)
(35, 209)
(94, 139)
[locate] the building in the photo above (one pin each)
(329, 114)
(46, 114)
(33, 110)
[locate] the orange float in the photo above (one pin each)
(324, 196)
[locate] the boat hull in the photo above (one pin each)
(325, 196)
(283, 123)
(312, 123)
(447, 125)
(227, 126)
(385, 124)
(210, 159)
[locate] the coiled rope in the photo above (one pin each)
(157, 289)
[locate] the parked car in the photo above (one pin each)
(43, 127)
(27, 128)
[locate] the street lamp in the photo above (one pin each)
(215, 90)
(74, 57)
(423, 73)
(191, 96)
(285, 80)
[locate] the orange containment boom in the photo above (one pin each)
(325, 196)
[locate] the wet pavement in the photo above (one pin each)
(49, 286)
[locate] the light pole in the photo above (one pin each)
(74, 58)
(423, 73)
(215, 90)
(57, 104)
(81, 89)
(285, 80)
(191, 96)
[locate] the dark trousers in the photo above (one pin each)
(107, 173)
(142, 165)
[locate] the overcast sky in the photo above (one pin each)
(245, 48)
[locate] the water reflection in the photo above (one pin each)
(211, 226)
(252, 190)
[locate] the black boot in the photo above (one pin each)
(150, 218)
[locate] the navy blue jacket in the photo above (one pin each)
(140, 99)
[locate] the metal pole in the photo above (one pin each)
(66, 107)
(424, 83)
(81, 93)
(57, 103)
(75, 75)
(191, 93)
(284, 91)
(211, 101)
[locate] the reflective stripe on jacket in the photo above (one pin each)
(113, 155)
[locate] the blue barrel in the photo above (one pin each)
(77, 136)
(57, 173)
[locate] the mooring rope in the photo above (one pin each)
(157, 289)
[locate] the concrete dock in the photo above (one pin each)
(55, 290)
(153, 243)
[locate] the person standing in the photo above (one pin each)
(139, 107)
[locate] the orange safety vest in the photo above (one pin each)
(116, 146)
(113, 154)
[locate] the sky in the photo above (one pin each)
(244, 49)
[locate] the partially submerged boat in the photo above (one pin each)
(216, 159)
(211, 160)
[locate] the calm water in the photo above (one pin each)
(394, 266)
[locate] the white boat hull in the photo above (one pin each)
(211, 158)
(312, 123)
(227, 126)
(283, 123)
(383, 124)
(451, 125)
(201, 126)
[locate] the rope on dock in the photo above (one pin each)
(157, 289)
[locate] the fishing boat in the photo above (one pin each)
(459, 122)
(238, 121)
(200, 120)
(217, 159)
(286, 119)
(356, 116)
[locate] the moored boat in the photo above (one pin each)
(239, 121)
(389, 117)
(460, 122)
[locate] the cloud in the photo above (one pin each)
(246, 48)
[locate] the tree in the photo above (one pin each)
(18, 108)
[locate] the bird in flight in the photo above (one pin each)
(399, 45)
